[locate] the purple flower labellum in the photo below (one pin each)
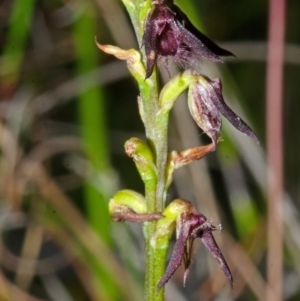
(206, 103)
(168, 32)
(192, 225)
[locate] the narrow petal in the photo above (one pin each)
(196, 46)
(234, 119)
(149, 41)
(187, 258)
(184, 20)
(177, 255)
(179, 159)
(210, 243)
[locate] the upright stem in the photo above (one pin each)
(156, 133)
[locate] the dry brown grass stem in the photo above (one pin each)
(10, 292)
(247, 271)
(274, 118)
(76, 223)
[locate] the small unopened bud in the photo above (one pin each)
(143, 158)
(128, 198)
(128, 205)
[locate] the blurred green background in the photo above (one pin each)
(66, 110)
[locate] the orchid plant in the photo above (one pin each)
(165, 32)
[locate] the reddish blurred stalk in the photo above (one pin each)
(275, 64)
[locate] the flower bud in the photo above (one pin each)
(142, 157)
(131, 206)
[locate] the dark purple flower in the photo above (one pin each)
(168, 32)
(192, 225)
(206, 103)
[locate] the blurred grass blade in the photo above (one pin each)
(243, 207)
(13, 53)
(275, 143)
(109, 279)
(190, 9)
(91, 113)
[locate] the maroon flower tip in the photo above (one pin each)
(210, 243)
(233, 118)
(191, 226)
(169, 33)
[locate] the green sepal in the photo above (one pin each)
(174, 88)
(170, 93)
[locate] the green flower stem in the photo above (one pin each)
(151, 158)
(138, 11)
(155, 114)
(154, 111)
(91, 114)
(156, 133)
(14, 49)
(165, 228)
